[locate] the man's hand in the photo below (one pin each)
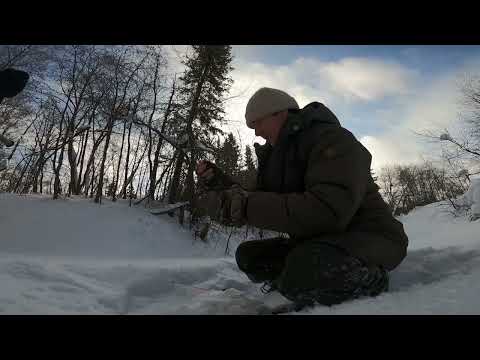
(234, 206)
(210, 177)
(205, 172)
(223, 200)
(228, 207)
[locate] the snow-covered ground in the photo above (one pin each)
(71, 256)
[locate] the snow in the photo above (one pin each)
(77, 227)
(167, 207)
(472, 197)
(71, 256)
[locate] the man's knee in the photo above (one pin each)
(312, 264)
(243, 254)
(247, 256)
(251, 253)
(262, 260)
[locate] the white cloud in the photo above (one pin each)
(361, 79)
(174, 55)
(337, 84)
(368, 79)
(431, 108)
(392, 149)
(417, 107)
(345, 84)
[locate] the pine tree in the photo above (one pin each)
(250, 172)
(249, 162)
(203, 85)
(229, 157)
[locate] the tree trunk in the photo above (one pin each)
(91, 159)
(153, 174)
(168, 181)
(191, 196)
(82, 160)
(57, 167)
(136, 165)
(101, 173)
(173, 197)
(92, 181)
(124, 187)
(139, 187)
(41, 181)
(37, 171)
(175, 182)
(22, 174)
(99, 193)
(115, 184)
(72, 159)
(152, 171)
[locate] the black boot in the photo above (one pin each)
(320, 273)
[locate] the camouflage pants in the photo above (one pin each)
(310, 272)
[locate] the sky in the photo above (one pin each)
(382, 94)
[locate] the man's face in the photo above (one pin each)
(263, 127)
(269, 126)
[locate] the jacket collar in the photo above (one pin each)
(297, 121)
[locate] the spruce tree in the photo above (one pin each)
(250, 172)
(229, 157)
(203, 86)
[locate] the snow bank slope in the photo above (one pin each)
(78, 227)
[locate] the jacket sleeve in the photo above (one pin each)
(336, 178)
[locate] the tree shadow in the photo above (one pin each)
(429, 265)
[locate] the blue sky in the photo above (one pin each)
(381, 93)
(428, 58)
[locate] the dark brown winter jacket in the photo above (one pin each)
(316, 183)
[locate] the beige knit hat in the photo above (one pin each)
(267, 101)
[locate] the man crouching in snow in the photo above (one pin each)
(314, 183)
